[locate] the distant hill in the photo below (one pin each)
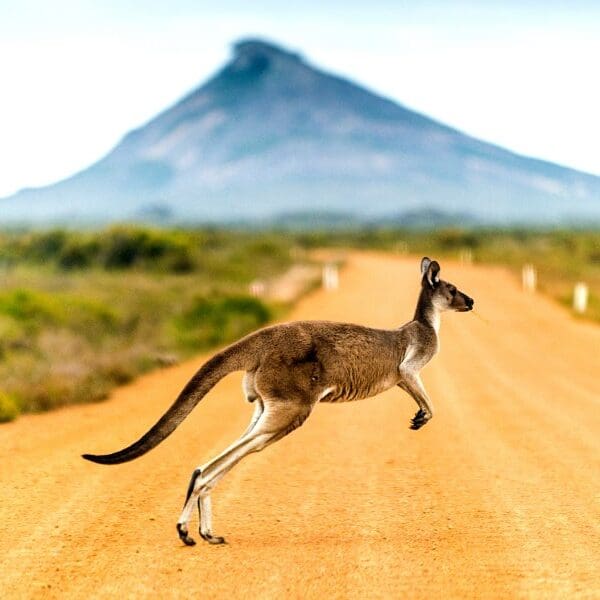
(271, 135)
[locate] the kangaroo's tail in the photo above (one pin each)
(205, 378)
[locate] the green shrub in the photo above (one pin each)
(47, 245)
(78, 253)
(456, 238)
(9, 409)
(180, 260)
(127, 247)
(29, 307)
(13, 336)
(211, 322)
(34, 310)
(122, 248)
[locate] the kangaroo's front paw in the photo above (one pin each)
(420, 418)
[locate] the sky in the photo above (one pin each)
(76, 75)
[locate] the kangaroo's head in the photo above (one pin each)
(443, 295)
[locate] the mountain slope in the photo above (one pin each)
(270, 134)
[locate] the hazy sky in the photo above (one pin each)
(76, 75)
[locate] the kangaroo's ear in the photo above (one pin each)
(425, 262)
(433, 273)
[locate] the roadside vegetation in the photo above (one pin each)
(82, 312)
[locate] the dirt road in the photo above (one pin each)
(497, 497)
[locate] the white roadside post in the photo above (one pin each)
(580, 297)
(529, 278)
(257, 288)
(331, 279)
(466, 256)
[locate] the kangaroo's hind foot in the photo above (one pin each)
(184, 535)
(212, 539)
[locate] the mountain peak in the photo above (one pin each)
(253, 48)
(255, 56)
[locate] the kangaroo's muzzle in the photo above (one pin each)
(468, 303)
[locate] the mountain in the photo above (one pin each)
(269, 134)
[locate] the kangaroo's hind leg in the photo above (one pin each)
(279, 418)
(204, 502)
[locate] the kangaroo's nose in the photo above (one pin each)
(470, 302)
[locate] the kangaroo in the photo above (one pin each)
(292, 366)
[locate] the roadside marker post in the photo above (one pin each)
(466, 256)
(331, 279)
(257, 288)
(529, 278)
(580, 297)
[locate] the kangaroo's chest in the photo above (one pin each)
(417, 356)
